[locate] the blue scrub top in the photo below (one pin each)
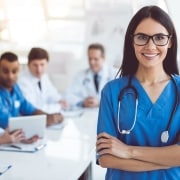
(13, 104)
(152, 120)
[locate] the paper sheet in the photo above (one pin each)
(21, 147)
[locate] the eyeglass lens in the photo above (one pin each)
(158, 39)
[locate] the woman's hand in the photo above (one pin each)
(107, 144)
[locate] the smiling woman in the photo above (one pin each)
(151, 51)
(144, 142)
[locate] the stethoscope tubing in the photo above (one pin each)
(165, 133)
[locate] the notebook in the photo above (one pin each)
(20, 147)
(31, 125)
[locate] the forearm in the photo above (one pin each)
(109, 161)
(38, 112)
(166, 156)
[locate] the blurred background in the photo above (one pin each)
(66, 27)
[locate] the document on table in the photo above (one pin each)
(4, 168)
(21, 147)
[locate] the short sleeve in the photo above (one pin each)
(105, 116)
(23, 106)
(26, 107)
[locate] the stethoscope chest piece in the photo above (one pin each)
(164, 136)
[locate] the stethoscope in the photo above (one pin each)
(165, 133)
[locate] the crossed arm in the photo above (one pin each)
(115, 154)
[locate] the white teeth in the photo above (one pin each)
(150, 55)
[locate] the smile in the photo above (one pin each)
(150, 55)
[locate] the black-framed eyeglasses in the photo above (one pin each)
(160, 39)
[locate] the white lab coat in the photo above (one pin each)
(46, 99)
(83, 84)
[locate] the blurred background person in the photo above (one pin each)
(13, 103)
(86, 87)
(36, 85)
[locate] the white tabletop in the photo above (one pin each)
(68, 153)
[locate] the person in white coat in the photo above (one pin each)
(86, 87)
(36, 85)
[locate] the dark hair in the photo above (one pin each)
(98, 47)
(129, 62)
(9, 56)
(37, 53)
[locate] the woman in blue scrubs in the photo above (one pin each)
(132, 141)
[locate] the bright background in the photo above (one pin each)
(66, 27)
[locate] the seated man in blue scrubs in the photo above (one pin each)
(13, 103)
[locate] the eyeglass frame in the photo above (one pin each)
(151, 37)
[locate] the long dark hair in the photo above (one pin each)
(129, 62)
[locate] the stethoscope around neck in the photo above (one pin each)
(165, 133)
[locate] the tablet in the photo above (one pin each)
(31, 125)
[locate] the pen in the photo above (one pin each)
(6, 168)
(15, 146)
(40, 146)
(9, 166)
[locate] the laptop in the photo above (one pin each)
(31, 125)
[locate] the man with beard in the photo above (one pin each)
(13, 103)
